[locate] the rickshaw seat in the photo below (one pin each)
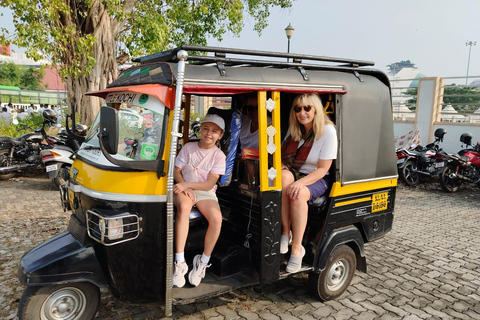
(320, 201)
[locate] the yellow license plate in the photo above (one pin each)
(379, 201)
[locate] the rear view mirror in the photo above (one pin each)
(109, 129)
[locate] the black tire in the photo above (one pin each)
(60, 178)
(332, 282)
(73, 301)
(448, 183)
(409, 173)
(4, 162)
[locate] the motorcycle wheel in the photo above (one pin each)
(60, 178)
(409, 173)
(4, 162)
(73, 301)
(332, 282)
(448, 183)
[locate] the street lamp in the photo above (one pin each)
(468, 44)
(289, 32)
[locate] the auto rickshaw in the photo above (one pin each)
(120, 233)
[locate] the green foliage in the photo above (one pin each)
(24, 77)
(463, 99)
(30, 123)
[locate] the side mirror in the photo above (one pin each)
(109, 129)
(15, 121)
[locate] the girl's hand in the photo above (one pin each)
(294, 189)
(179, 188)
(189, 193)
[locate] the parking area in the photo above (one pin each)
(427, 267)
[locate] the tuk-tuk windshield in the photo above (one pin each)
(140, 131)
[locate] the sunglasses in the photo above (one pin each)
(297, 109)
(252, 107)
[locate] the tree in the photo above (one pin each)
(29, 78)
(83, 38)
(463, 99)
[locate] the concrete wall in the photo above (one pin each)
(427, 120)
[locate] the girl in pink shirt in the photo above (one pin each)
(197, 169)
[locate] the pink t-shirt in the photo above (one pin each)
(192, 154)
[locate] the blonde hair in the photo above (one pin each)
(320, 119)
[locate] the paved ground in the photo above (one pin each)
(427, 267)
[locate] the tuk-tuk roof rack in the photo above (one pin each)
(220, 57)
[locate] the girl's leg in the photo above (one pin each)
(299, 216)
(184, 205)
(211, 211)
(287, 179)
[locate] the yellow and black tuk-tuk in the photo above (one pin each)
(120, 234)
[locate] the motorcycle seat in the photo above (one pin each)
(11, 141)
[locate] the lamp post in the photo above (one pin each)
(289, 32)
(468, 44)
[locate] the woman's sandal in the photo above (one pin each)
(295, 262)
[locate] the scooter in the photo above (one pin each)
(427, 161)
(58, 160)
(463, 166)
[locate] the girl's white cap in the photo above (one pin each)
(213, 118)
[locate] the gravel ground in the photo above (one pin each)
(30, 213)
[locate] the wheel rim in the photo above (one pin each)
(338, 274)
(67, 304)
(411, 175)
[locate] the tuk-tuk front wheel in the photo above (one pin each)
(73, 301)
(332, 282)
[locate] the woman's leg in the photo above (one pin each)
(299, 216)
(287, 179)
(211, 211)
(184, 205)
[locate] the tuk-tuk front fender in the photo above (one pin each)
(350, 236)
(61, 259)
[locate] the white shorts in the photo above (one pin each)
(204, 195)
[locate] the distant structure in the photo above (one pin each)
(403, 75)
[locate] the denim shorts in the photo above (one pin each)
(317, 188)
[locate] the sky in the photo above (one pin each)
(430, 33)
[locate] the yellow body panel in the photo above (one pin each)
(132, 182)
(339, 190)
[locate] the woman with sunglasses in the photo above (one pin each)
(307, 154)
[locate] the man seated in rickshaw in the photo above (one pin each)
(307, 155)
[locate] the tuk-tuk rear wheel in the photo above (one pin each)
(73, 301)
(332, 282)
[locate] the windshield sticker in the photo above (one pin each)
(121, 98)
(149, 151)
(143, 98)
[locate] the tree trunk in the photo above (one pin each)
(105, 29)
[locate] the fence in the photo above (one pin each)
(23, 98)
(433, 104)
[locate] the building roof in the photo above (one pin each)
(52, 81)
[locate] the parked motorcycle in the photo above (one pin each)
(58, 160)
(18, 154)
(426, 161)
(463, 166)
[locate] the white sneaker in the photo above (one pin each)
(198, 272)
(179, 272)
(284, 244)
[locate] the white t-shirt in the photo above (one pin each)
(324, 148)
(249, 139)
(192, 154)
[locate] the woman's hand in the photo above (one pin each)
(294, 189)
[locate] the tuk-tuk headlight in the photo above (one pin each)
(110, 229)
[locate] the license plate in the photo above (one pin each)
(400, 161)
(439, 164)
(51, 167)
(379, 201)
